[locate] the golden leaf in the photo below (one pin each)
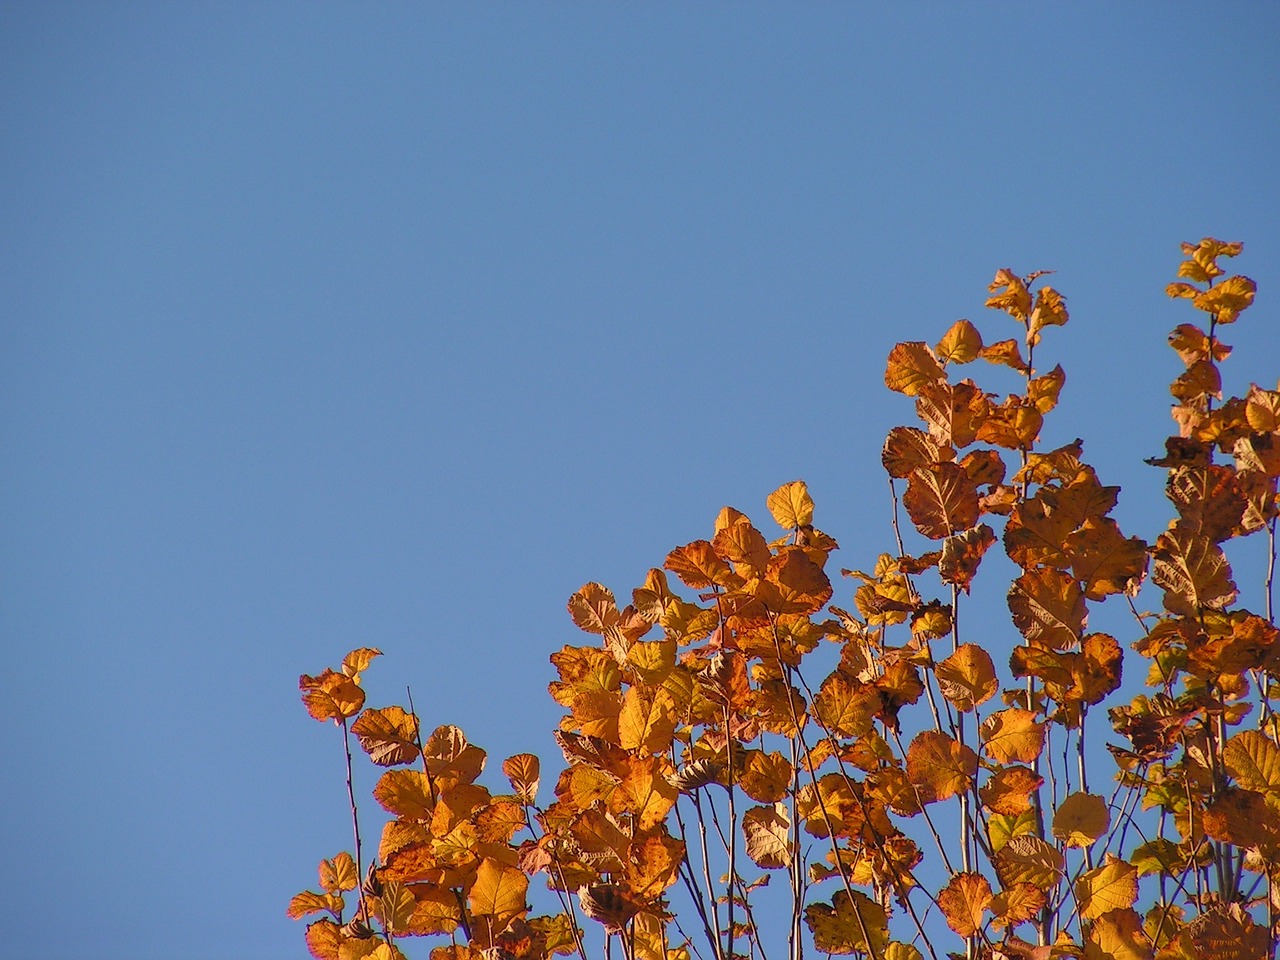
(963, 901)
(450, 758)
(646, 720)
(967, 677)
(1006, 353)
(331, 696)
(406, 794)
(1262, 409)
(1112, 886)
(1103, 560)
(910, 366)
(355, 662)
(698, 566)
(952, 412)
(741, 543)
(1043, 390)
(396, 906)
(1028, 859)
(906, 448)
(1012, 735)
(942, 764)
(854, 924)
(593, 608)
(499, 890)
(1118, 935)
(1081, 819)
(1254, 761)
(309, 902)
(1050, 311)
(523, 771)
(323, 939)
(766, 777)
(941, 500)
(608, 904)
(1227, 299)
(960, 344)
(1193, 571)
(846, 706)
(1224, 933)
(1016, 903)
(961, 554)
(1008, 791)
(791, 505)
(388, 735)
(338, 874)
(1013, 298)
(1014, 424)
(767, 831)
(653, 864)
(1048, 607)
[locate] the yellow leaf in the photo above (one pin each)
(854, 924)
(943, 765)
(791, 505)
(911, 366)
(331, 696)
(766, 777)
(963, 901)
(1227, 299)
(646, 720)
(1050, 311)
(355, 662)
(1012, 735)
(338, 874)
(968, 677)
(1254, 760)
(698, 566)
(1013, 297)
(1009, 789)
(405, 793)
(499, 890)
(1112, 886)
(1028, 859)
(388, 735)
(1005, 353)
(397, 905)
(309, 902)
(523, 771)
(1118, 935)
(1081, 819)
(767, 833)
(960, 344)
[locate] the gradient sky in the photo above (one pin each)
(333, 324)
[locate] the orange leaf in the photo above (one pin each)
(1081, 819)
(1050, 311)
(355, 662)
(967, 677)
(1013, 297)
(1014, 424)
(952, 412)
(1005, 353)
(594, 609)
(338, 874)
(1048, 607)
(906, 448)
(911, 366)
(742, 543)
(768, 835)
(698, 566)
(961, 554)
(960, 344)
(791, 505)
(963, 901)
(646, 720)
(1193, 571)
(941, 500)
(499, 890)
(324, 937)
(1103, 560)
(389, 735)
(1112, 886)
(1028, 859)
(309, 902)
(1009, 790)
(450, 758)
(331, 696)
(766, 777)
(936, 761)
(854, 924)
(523, 772)
(405, 793)
(1227, 298)
(1012, 735)
(1043, 391)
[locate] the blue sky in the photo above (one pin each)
(329, 325)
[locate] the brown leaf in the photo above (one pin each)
(941, 500)
(767, 832)
(1012, 735)
(910, 366)
(906, 448)
(963, 901)
(1193, 571)
(952, 412)
(961, 554)
(967, 677)
(1103, 560)
(940, 763)
(1048, 607)
(388, 735)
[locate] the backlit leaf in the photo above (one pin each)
(1193, 571)
(309, 902)
(1118, 935)
(523, 771)
(450, 758)
(355, 662)
(1010, 294)
(593, 608)
(960, 344)
(388, 735)
(767, 831)
(331, 696)
(854, 924)
(1006, 353)
(1050, 311)
(1008, 791)
(952, 412)
(1081, 819)
(961, 554)
(338, 874)
(910, 366)
(742, 543)
(942, 764)
(941, 500)
(1028, 859)
(1012, 735)
(1112, 886)
(967, 677)
(906, 448)
(1227, 298)
(1048, 607)
(646, 720)
(406, 794)
(791, 505)
(963, 901)
(323, 939)
(499, 890)
(1254, 760)
(698, 566)
(766, 777)
(1103, 560)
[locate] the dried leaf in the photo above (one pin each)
(1081, 819)
(967, 677)
(963, 901)
(910, 366)
(767, 831)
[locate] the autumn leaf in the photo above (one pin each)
(960, 344)
(952, 412)
(1081, 819)
(450, 758)
(499, 890)
(1005, 353)
(767, 831)
(961, 554)
(593, 608)
(1048, 607)
(357, 661)
(406, 794)
(741, 543)
(388, 735)
(940, 763)
(1012, 735)
(791, 505)
(1254, 760)
(906, 448)
(849, 924)
(846, 706)
(338, 874)
(1118, 935)
(910, 366)
(1112, 886)
(766, 777)
(1103, 560)
(331, 696)
(1014, 424)
(963, 901)
(941, 500)
(308, 902)
(523, 772)
(1193, 571)
(1050, 311)
(1227, 299)
(1010, 295)
(646, 720)
(1008, 791)
(967, 677)
(324, 937)
(1028, 859)
(698, 566)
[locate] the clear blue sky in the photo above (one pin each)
(331, 324)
